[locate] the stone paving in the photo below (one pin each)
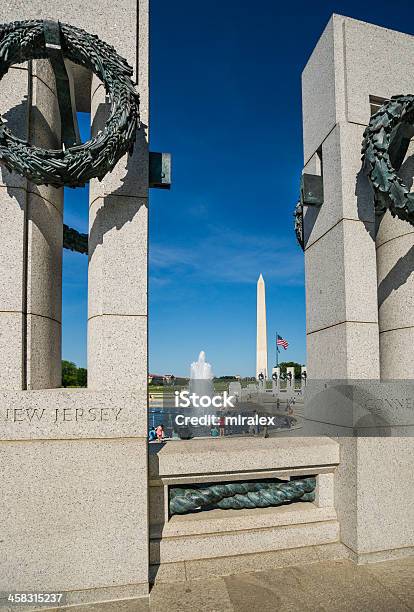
(331, 586)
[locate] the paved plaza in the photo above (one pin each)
(339, 586)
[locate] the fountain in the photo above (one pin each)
(201, 377)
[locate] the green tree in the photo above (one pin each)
(69, 374)
(72, 376)
(82, 377)
(290, 364)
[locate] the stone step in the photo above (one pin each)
(242, 532)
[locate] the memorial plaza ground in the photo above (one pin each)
(328, 585)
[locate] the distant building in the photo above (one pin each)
(161, 379)
(155, 379)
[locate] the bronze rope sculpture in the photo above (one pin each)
(74, 166)
(238, 495)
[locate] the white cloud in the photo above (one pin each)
(229, 256)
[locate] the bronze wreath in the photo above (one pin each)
(385, 144)
(21, 41)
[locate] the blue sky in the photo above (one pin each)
(226, 102)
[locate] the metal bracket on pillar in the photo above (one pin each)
(160, 170)
(311, 194)
(311, 190)
(64, 85)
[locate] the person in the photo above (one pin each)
(222, 423)
(152, 435)
(214, 432)
(256, 429)
(160, 432)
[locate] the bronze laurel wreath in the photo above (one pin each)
(21, 41)
(385, 144)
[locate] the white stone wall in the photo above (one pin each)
(359, 288)
(74, 462)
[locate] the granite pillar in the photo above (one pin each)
(395, 266)
(31, 240)
(290, 371)
(84, 451)
(276, 383)
(358, 324)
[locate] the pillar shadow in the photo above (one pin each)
(404, 267)
(155, 532)
(115, 213)
(16, 120)
(396, 277)
(310, 217)
(365, 203)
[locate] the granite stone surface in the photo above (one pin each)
(114, 17)
(12, 203)
(130, 175)
(117, 290)
(44, 370)
(220, 521)
(370, 71)
(209, 456)
(341, 290)
(346, 191)
(197, 569)
(395, 345)
(118, 251)
(49, 414)
(126, 337)
(45, 238)
(319, 102)
(74, 516)
(347, 350)
(396, 283)
(11, 350)
(243, 542)
(391, 228)
(74, 463)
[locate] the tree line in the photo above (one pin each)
(72, 376)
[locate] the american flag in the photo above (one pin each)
(281, 342)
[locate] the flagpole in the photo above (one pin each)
(277, 356)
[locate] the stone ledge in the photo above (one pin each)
(221, 456)
(284, 474)
(222, 521)
(379, 556)
(200, 569)
(207, 546)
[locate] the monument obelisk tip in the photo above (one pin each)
(261, 347)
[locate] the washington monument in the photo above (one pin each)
(261, 346)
